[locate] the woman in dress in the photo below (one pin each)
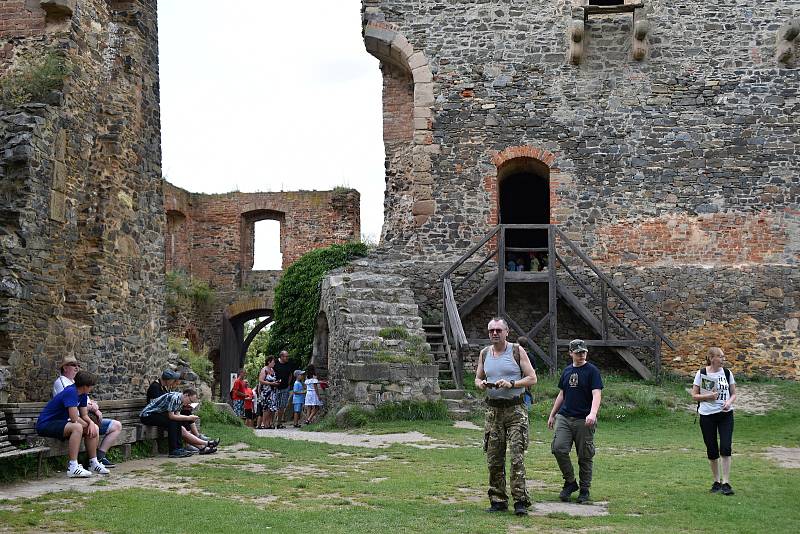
(269, 384)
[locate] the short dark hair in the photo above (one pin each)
(269, 359)
(311, 371)
(190, 392)
(85, 378)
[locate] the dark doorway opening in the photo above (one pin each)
(524, 198)
(606, 2)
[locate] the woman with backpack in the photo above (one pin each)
(714, 389)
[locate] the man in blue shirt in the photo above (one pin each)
(574, 416)
(66, 418)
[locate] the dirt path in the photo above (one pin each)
(755, 399)
(370, 441)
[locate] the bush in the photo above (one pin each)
(209, 413)
(33, 80)
(199, 363)
(184, 291)
(392, 411)
(297, 298)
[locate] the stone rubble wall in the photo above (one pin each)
(357, 303)
(82, 262)
(678, 170)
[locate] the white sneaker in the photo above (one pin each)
(99, 468)
(78, 472)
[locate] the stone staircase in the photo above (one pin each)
(367, 303)
(460, 404)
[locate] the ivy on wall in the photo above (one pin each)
(297, 298)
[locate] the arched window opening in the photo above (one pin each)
(267, 255)
(175, 243)
(524, 198)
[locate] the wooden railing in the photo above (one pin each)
(558, 246)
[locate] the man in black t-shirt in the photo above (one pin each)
(283, 372)
(574, 416)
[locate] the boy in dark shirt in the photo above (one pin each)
(66, 418)
(574, 416)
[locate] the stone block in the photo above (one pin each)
(424, 207)
(58, 206)
(416, 60)
(422, 74)
(423, 94)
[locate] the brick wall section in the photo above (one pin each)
(398, 104)
(21, 18)
(215, 241)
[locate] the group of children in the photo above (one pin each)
(262, 409)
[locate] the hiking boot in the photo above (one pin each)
(520, 508)
(106, 462)
(726, 489)
(498, 507)
(180, 453)
(567, 491)
(78, 472)
(715, 487)
(583, 496)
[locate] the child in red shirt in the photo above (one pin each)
(247, 391)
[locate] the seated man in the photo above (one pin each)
(165, 384)
(164, 412)
(109, 428)
(66, 418)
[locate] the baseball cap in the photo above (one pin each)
(169, 374)
(578, 345)
(299, 372)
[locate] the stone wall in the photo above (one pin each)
(682, 162)
(81, 211)
(211, 237)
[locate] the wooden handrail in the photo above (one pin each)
(476, 269)
(454, 321)
(470, 252)
(618, 292)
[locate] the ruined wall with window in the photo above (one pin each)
(669, 133)
(81, 212)
(211, 237)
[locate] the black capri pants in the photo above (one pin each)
(717, 423)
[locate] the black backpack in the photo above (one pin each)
(703, 373)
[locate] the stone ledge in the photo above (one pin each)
(389, 371)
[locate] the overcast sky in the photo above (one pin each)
(268, 96)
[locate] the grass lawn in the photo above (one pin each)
(650, 468)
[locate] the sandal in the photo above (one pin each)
(207, 450)
(280, 426)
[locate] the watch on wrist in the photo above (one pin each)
(512, 384)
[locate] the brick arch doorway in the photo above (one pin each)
(233, 344)
(523, 197)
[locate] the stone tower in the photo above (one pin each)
(660, 136)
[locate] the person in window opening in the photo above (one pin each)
(110, 429)
(504, 377)
(716, 416)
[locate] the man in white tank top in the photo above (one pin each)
(505, 379)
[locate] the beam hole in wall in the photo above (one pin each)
(267, 254)
(523, 186)
(606, 2)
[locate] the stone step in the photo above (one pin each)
(453, 394)
(369, 280)
(378, 306)
(367, 320)
(382, 294)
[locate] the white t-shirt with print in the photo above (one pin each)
(723, 391)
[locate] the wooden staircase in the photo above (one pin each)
(572, 280)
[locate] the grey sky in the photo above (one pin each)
(269, 96)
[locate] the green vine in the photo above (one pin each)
(297, 298)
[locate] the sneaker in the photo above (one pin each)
(726, 489)
(583, 496)
(520, 509)
(498, 507)
(715, 487)
(99, 469)
(78, 472)
(191, 448)
(567, 491)
(106, 462)
(180, 453)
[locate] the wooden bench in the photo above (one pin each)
(20, 424)
(8, 450)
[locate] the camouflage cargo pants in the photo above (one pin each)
(506, 427)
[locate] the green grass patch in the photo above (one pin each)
(650, 468)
